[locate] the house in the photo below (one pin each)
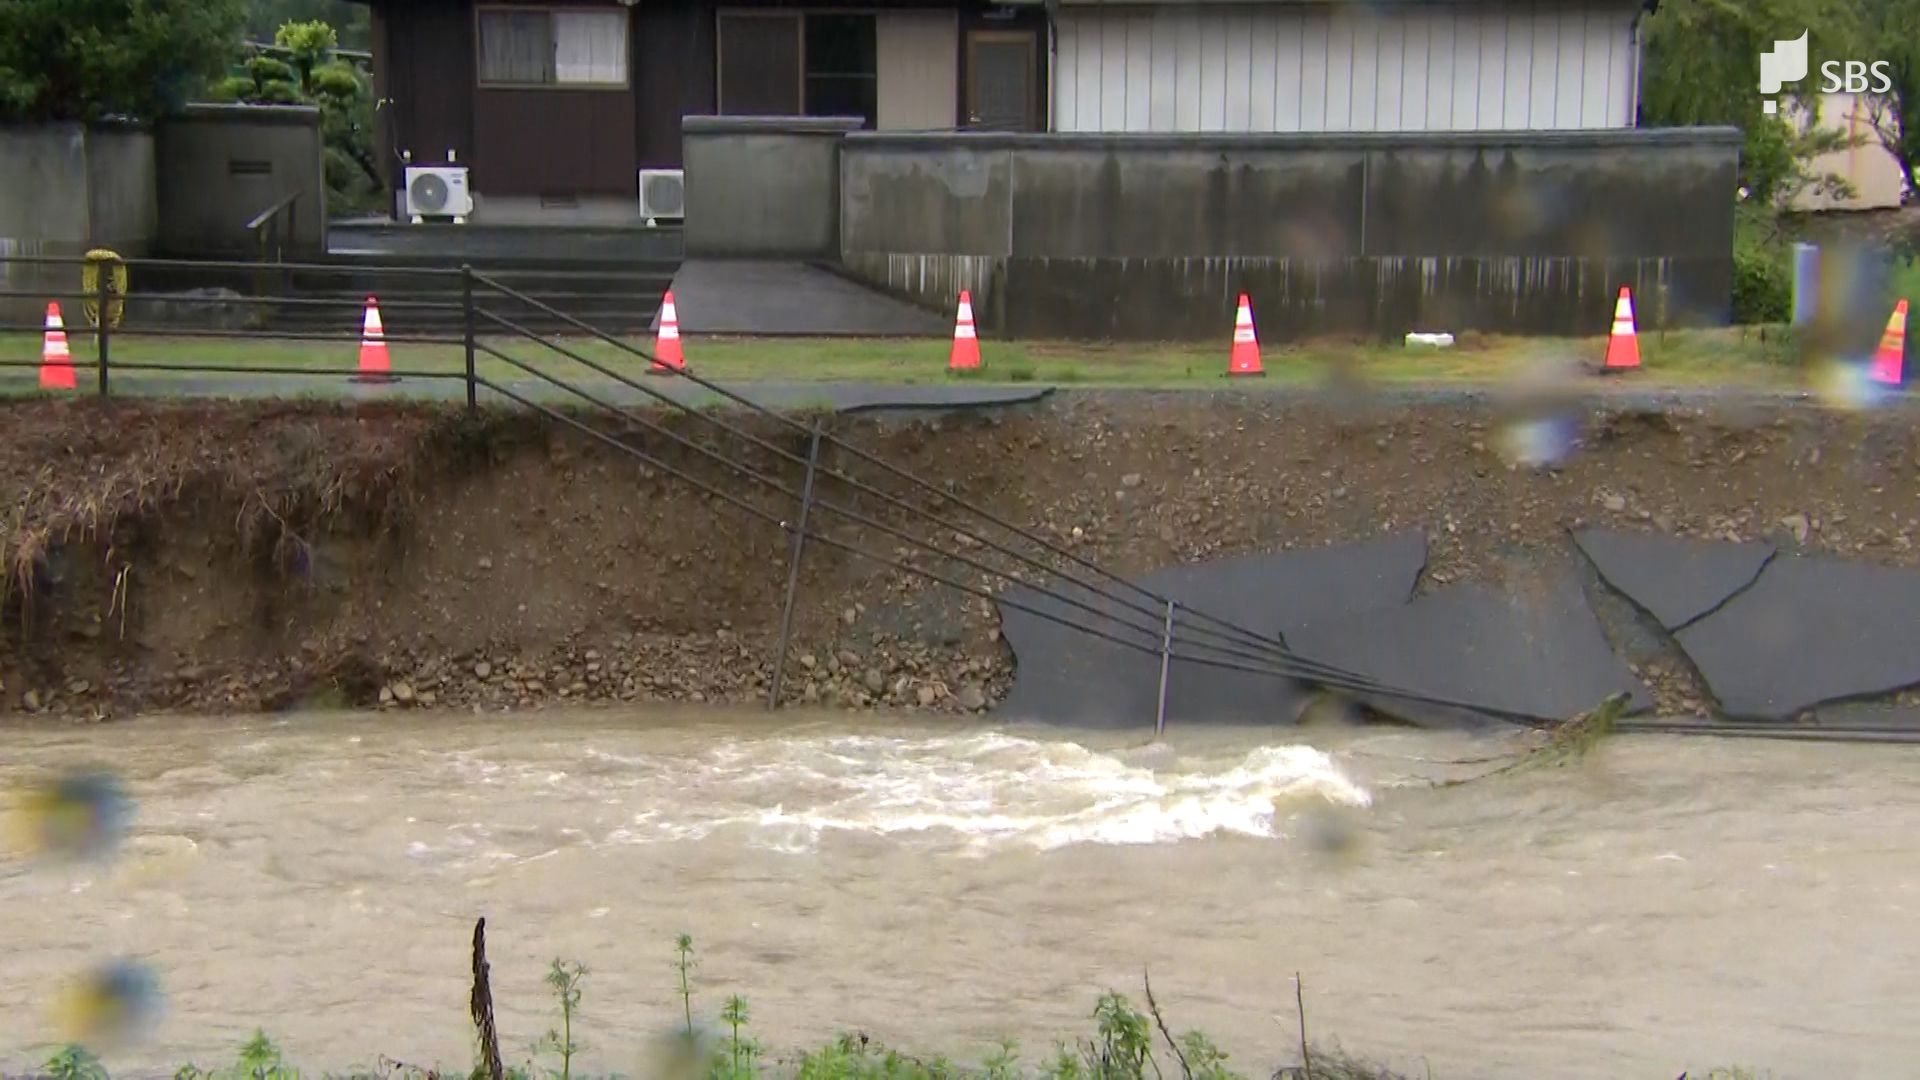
(562, 103)
(1868, 168)
(565, 102)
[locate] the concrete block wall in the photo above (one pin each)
(220, 165)
(1152, 237)
(65, 189)
(763, 187)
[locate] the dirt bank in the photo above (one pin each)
(267, 556)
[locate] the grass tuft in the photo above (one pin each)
(1566, 743)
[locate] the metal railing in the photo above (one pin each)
(51, 273)
(276, 228)
(283, 304)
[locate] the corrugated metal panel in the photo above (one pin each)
(1531, 64)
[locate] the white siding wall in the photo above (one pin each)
(1344, 67)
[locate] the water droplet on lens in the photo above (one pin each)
(110, 1006)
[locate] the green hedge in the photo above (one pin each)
(1762, 267)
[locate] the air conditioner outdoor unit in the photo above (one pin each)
(438, 191)
(663, 194)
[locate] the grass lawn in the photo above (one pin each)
(1749, 356)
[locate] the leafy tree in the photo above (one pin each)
(1892, 33)
(302, 69)
(353, 21)
(92, 59)
(1702, 66)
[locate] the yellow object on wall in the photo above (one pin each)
(104, 276)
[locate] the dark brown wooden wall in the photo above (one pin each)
(555, 141)
(673, 74)
(424, 61)
(383, 119)
(517, 141)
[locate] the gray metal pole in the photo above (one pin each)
(797, 546)
(1166, 656)
(1806, 284)
(102, 348)
(467, 316)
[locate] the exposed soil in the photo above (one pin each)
(269, 556)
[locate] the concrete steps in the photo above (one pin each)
(451, 245)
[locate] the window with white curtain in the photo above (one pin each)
(576, 47)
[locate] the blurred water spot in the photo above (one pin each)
(1843, 384)
(1332, 833)
(111, 1006)
(1539, 408)
(681, 1055)
(1538, 441)
(80, 815)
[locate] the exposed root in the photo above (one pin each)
(286, 473)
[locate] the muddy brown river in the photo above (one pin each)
(1670, 904)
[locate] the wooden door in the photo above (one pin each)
(1002, 94)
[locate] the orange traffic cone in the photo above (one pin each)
(667, 357)
(374, 364)
(965, 355)
(1623, 345)
(1245, 358)
(1889, 359)
(56, 362)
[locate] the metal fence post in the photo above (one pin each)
(1166, 656)
(798, 544)
(104, 330)
(466, 308)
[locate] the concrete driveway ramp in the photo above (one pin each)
(1675, 580)
(1810, 630)
(1065, 676)
(1538, 653)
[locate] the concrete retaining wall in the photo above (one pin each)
(1152, 237)
(220, 165)
(763, 187)
(64, 189)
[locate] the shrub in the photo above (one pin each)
(301, 69)
(1762, 267)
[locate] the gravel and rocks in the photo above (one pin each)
(393, 558)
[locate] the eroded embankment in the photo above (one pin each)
(264, 556)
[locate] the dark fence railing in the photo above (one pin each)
(292, 307)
